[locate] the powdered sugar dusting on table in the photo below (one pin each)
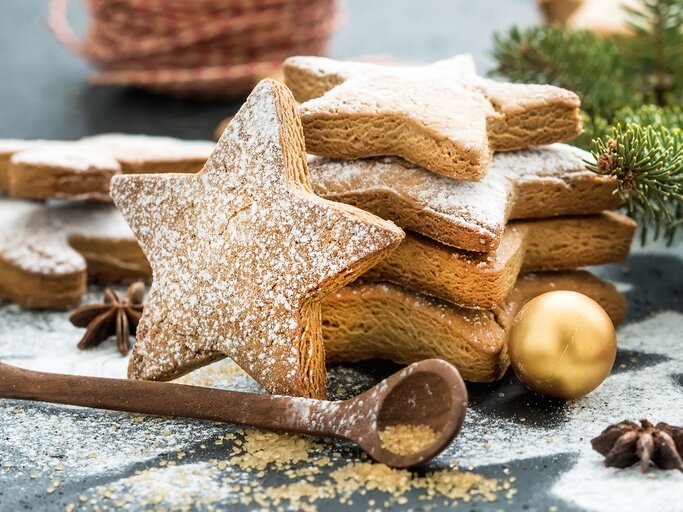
(238, 250)
(111, 451)
(650, 393)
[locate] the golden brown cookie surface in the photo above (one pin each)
(62, 171)
(442, 117)
(483, 280)
(9, 147)
(530, 183)
(380, 320)
(82, 169)
(152, 154)
(243, 252)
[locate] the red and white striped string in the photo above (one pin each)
(216, 48)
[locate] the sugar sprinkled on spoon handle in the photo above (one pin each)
(155, 398)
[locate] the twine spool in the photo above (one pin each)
(209, 48)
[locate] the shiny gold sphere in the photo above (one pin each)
(562, 344)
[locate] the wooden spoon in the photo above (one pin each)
(430, 393)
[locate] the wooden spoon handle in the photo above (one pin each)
(165, 399)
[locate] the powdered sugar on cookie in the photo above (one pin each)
(442, 117)
(468, 215)
(82, 169)
(11, 146)
(145, 147)
(72, 156)
(242, 253)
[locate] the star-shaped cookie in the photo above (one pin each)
(532, 183)
(243, 252)
(442, 116)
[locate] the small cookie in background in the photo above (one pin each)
(386, 321)
(82, 169)
(49, 250)
(140, 154)
(69, 171)
(8, 147)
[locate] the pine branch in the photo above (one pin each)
(615, 76)
(650, 115)
(657, 44)
(593, 127)
(592, 66)
(648, 165)
(608, 73)
(646, 115)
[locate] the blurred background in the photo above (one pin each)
(44, 94)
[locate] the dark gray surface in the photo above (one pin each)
(43, 94)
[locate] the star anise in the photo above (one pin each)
(112, 317)
(626, 443)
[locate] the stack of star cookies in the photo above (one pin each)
(495, 209)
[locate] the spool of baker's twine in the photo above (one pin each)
(210, 48)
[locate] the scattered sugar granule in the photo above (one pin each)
(406, 439)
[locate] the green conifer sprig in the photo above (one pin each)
(656, 44)
(578, 60)
(648, 165)
(631, 88)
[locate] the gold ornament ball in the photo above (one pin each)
(562, 344)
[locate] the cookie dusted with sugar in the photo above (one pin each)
(9, 147)
(442, 116)
(530, 183)
(82, 169)
(47, 251)
(243, 253)
(62, 171)
(139, 154)
(380, 320)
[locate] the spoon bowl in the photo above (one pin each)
(430, 393)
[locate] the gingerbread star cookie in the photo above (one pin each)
(139, 154)
(48, 250)
(243, 252)
(530, 183)
(9, 147)
(442, 116)
(62, 171)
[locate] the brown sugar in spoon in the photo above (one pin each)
(429, 393)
